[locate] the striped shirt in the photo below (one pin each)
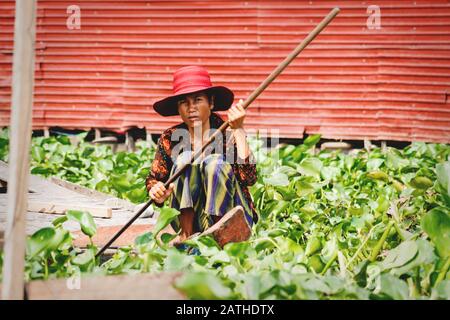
(244, 169)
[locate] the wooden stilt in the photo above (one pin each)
(367, 144)
(98, 134)
(46, 132)
(129, 142)
(21, 109)
(383, 146)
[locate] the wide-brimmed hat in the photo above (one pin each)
(192, 79)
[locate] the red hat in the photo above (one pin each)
(193, 79)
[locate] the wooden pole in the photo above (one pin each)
(20, 136)
(302, 45)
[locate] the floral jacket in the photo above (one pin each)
(244, 170)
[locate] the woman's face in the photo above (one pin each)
(194, 109)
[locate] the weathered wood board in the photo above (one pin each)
(121, 287)
(61, 208)
(46, 193)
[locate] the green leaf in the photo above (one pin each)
(39, 241)
(219, 257)
(442, 290)
(41, 170)
(374, 164)
(329, 249)
(105, 165)
(400, 255)
(137, 195)
(59, 221)
(330, 173)
(236, 249)
(61, 236)
(143, 239)
(314, 245)
(87, 152)
(310, 167)
(38, 154)
(121, 182)
(395, 160)
(421, 183)
(316, 263)
(102, 186)
(425, 256)
(84, 258)
(63, 139)
(177, 261)
(167, 237)
(252, 287)
(393, 287)
(378, 175)
(436, 224)
(85, 220)
(312, 140)
(304, 188)
(263, 243)
(443, 175)
(277, 179)
(202, 285)
(166, 216)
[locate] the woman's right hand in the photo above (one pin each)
(159, 193)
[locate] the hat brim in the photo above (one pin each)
(223, 98)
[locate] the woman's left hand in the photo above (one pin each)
(236, 115)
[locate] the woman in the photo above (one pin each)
(215, 184)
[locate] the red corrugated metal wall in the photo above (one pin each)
(352, 82)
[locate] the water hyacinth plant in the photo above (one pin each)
(333, 225)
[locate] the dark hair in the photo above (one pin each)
(210, 96)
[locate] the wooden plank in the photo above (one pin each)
(122, 287)
(61, 208)
(20, 136)
(113, 202)
(47, 190)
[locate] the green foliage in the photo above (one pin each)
(50, 251)
(362, 225)
(120, 174)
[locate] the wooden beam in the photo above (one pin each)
(98, 133)
(367, 145)
(108, 199)
(157, 286)
(20, 136)
(129, 142)
(335, 145)
(383, 147)
(61, 208)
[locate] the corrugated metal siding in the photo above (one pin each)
(350, 83)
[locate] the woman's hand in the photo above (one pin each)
(159, 193)
(236, 115)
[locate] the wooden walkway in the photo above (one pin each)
(54, 192)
